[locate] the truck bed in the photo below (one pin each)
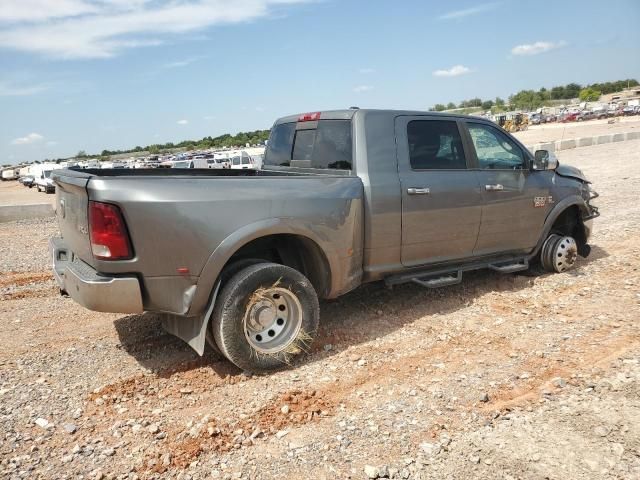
(183, 222)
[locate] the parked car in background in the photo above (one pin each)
(241, 160)
(586, 115)
(9, 174)
(629, 110)
(569, 117)
(549, 118)
(27, 181)
(345, 197)
(535, 119)
(614, 111)
(219, 161)
(44, 183)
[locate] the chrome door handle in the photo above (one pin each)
(494, 188)
(418, 191)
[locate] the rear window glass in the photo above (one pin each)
(327, 146)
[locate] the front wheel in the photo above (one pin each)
(265, 316)
(559, 253)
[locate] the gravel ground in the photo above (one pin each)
(498, 377)
(562, 131)
(14, 193)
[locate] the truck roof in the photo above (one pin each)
(347, 114)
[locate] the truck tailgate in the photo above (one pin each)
(71, 211)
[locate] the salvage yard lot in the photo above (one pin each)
(550, 132)
(498, 377)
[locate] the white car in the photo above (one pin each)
(9, 175)
(242, 160)
(44, 182)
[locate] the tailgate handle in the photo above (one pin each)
(494, 188)
(418, 191)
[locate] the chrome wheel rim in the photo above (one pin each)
(565, 255)
(273, 319)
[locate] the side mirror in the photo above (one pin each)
(544, 160)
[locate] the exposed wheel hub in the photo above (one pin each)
(559, 253)
(273, 320)
(565, 254)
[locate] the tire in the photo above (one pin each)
(226, 274)
(247, 313)
(558, 253)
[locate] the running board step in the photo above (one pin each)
(510, 267)
(441, 281)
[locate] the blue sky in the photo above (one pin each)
(95, 74)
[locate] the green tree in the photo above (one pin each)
(438, 107)
(589, 95)
(557, 93)
(572, 90)
(486, 105)
(81, 154)
(451, 106)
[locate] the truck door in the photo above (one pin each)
(515, 199)
(441, 198)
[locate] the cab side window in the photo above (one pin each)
(494, 149)
(435, 145)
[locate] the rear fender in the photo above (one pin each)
(244, 235)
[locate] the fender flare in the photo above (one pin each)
(239, 238)
(573, 200)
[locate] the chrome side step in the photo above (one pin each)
(510, 267)
(435, 277)
(439, 281)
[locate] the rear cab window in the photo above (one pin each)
(320, 144)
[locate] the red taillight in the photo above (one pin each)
(309, 117)
(109, 238)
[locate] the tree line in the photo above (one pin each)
(532, 99)
(227, 140)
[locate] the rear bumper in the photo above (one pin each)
(92, 290)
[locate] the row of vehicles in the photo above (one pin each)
(234, 159)
(597, 112)
(39, 175)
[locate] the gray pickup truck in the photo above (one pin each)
(239, 258)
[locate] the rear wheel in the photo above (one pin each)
(265, 316)
(226, 274)
(559, 253)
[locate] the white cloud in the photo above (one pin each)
(43, 10)
(181, 63)
(366, 71)
(182, 122)
(468, 11)
(13, 90)
(536, 48)
(363, 88)
(101, 28)
(28, 139)
(454, 71)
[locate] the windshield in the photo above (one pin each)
(47, 173)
